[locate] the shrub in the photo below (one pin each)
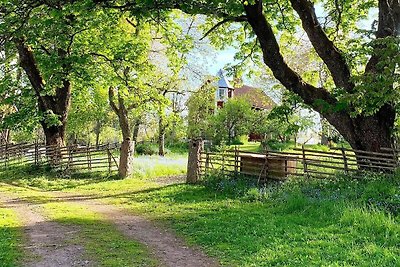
(146, 149)
(179, 147)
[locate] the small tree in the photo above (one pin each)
(233, 120)
(201, 107)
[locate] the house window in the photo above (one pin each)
(221, 93)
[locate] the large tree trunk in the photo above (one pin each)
(193, 167)
(54, 135)
(126, 158)
(125, 167)
(57, 104)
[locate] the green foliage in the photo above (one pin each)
(285, 121)
(374, 90)
(146, 148)
(201, 109)
(232, 121)
(181, 147)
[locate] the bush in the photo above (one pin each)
(146, 149)
(179, 147)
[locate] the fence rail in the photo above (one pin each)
(71, 158)
(298, 162)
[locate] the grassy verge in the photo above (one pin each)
(345, 222)
(319, 223)
(10, 236)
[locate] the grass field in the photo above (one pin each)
(345, 222)
(10, 238)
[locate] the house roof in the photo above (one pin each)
(223, 81)
(256, 96)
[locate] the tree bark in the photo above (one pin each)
(135, 131)
(126, 158)
(57, 104)
(193, 167)
(55, 135)
(127, 146)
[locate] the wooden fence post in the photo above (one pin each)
(395, 158)
(305, 168)
(88, 158)
(223, 164)
(6, 156)
(109, 157)
(346, 167)
(70, 157)
(36, 154)
(265, 168)
(236, 161)
(206, 165)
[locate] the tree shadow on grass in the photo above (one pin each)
(39, 179)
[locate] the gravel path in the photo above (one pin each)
(48, 244)
(169, 249)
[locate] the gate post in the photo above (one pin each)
(194, 161)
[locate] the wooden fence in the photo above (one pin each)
(72, 158)
(298, 162)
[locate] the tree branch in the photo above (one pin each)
(230, 19)
(317, 98)
(388, 25)
(111, 100)
(28, 63)
(325, 48)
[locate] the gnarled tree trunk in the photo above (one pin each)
(125, 167)
(57, 104)
(126, 158)
(193, 167)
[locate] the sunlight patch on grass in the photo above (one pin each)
(10, 237)
(156, 166)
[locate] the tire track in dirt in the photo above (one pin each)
(169, 249)
(48, 243)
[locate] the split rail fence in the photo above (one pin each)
(298, 162)
(71, 158)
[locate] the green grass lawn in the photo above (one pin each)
(346, 222)
(306, 225)
(10, 236)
